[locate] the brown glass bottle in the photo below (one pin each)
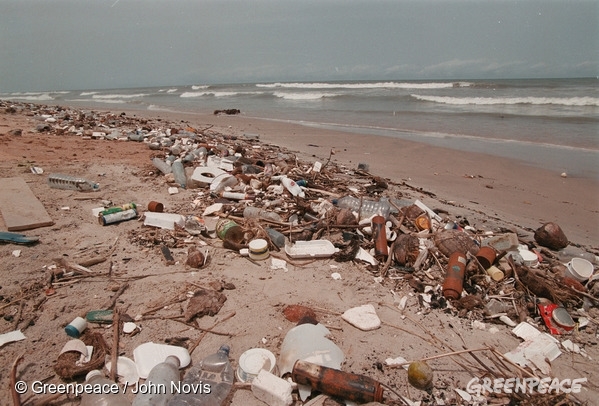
(332, 382)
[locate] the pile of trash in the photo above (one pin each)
(262, 201)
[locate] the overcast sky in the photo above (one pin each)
(96, 44)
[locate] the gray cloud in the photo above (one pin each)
(85, 44)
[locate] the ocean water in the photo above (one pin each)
(551, 123)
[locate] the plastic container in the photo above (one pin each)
(258, 249)
(67, 182)
(311, 249)
(213, 377)
(110, 395)
(179, 173)
(253, 361)
(76, 327)
(579, 269)
(157, 390)
(365, 208)
(454, 280)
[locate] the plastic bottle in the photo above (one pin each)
(157, 389)
(67, 182)
(162, 166)
(108, 394)
(251, 212)
(292, 186)
(276, 237)
(179, 173)
(212, 380)
(365, 208)
(566, 254)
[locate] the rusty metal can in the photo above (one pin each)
(228, 230)
(454, 279)
(486, 256)
(332, 382)
(379, 236)
(156, 207)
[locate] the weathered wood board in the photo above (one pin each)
(21, 210)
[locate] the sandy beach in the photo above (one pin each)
(490, 193)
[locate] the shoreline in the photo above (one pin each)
(505, 188)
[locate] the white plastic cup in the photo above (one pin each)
(579, 269)
(76, 327)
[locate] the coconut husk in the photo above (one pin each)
(450, 241)
(551, 235)
(295, 313)
(66, 364)
(406, 249)
(542, 286)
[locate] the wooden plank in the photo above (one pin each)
(21, 210)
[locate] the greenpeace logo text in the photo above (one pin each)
(482, 387)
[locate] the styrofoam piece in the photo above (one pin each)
(363, 317)
(537, 349)
(272, 390)
(126, 370)
(150, 354)
(163, 220)
(365, 256)
(205, 175)
(311, 249)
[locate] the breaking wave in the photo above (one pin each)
(374, 85)
(487, 101)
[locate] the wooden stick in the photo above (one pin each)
(16, 398)
(115, 344)
(110, 304)
(449, 354)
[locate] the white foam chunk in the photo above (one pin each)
(363, 317)
(163, 220)
(271, 389)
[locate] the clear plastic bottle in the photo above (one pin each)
(211, 381)
(162, 165)
(110, 394)
(67, 182)
(179, 172)
(158, 387)
(364, 207)
(251, 212)
(566, 254)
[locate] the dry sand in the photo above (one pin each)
(490, 192)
